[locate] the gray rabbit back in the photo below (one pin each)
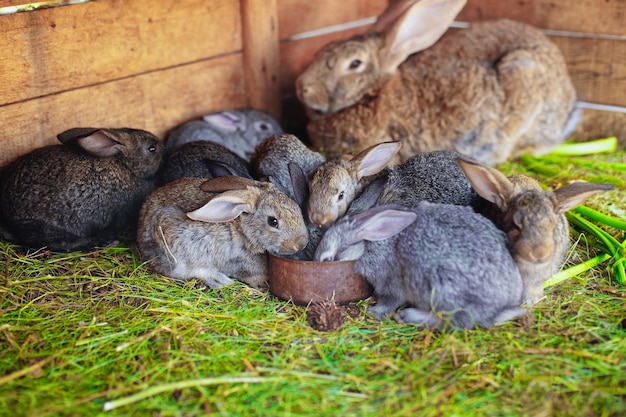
(450, 259)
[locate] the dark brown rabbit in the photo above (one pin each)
(493, 91)
(81, 194)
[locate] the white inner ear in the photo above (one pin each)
(385, 224)
(225, 120)
(99, 144)
(223, 208)
(418, 28)
(377, 158)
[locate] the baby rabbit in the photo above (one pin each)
(204, 159)
(218, 229)
(335, 184)
(272, 157)
(238, 130)
(444, 261)
(532, 218)
(81, 194)
(288, 163)
(430, 176)
(492, 91)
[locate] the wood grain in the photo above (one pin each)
(297, 16)
(604, 17)
(261, 55)
(143, 102)
(63, 48)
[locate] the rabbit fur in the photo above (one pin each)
(430, 176)
(238, 130)
(271, 159)
(444, 261)
(81, 194)
(288, 163)
(218, 229)
(204, 159)
(335, 184)
(532, 218)
(492, 91)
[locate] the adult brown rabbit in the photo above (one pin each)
(532, 218)
(493, 91)
(218, 229)
(81, 194)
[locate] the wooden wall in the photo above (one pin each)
(154, 64)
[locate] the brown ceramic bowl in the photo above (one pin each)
(305, 282)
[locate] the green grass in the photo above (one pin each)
(81, 330)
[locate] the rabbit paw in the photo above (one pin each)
(419, 317)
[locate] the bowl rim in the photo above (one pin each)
(307, 262)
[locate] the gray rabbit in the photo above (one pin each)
(429, 176)
(272, 157)
(287, 162)
(218, 229)
(532, 218)
(203, 159)
(81, 194)
(444, 261)
(238, 130)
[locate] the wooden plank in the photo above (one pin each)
(298, 16)
(587, 16)
(597, 68)
(261, 55)
(62, 48)
(607, 17)
(154, 101)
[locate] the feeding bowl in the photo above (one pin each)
(305, 282)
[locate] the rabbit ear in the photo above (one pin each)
(375, 158)
(227, 183)
(223, 208)
(221, 169)
(488, 182)
(97, 142)
(571, 195)
(413, 27)
(226, 121)
(299, 183)
(379, 224)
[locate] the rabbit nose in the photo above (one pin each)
(301, 242)
(294, 245)
(321, 220)
(535, 253)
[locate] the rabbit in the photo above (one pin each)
(218, 229)
(81, 194)
(272, 156)
(439, 259)
(430, 176)
(238, 130)
(335, 184)
(204, 159)
(288, 163)
(492, 92)
(532, 218)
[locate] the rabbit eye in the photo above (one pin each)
(262, 127)
(272, 222)
(340, 196)
(152, 149)
(354, 64)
